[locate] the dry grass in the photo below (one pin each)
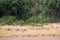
(30, 31)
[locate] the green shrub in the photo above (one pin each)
(33, 19)
(44, 20)
(18, 22)
(7, 20)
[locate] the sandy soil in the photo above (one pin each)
(33, 38)
(30, 31)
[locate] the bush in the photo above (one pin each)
(44, 20)
(18, 22)
(7, 20)
(33, 19)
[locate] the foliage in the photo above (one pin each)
(29, 11)
(7, 20)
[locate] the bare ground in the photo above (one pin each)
(33, 38)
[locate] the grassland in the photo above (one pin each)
(30, 31)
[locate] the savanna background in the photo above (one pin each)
(20, 17)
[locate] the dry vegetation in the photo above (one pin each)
(30, 31)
